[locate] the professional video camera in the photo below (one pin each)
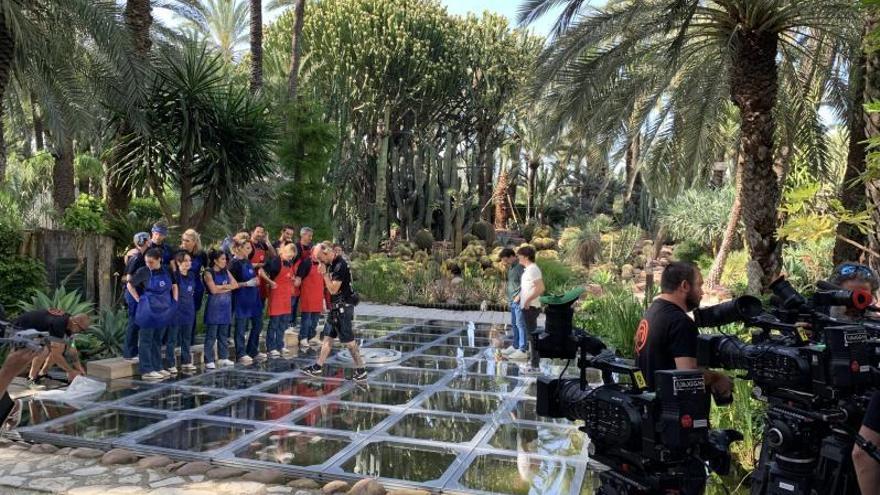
(649, 440)
(18, 338)
(812, 371)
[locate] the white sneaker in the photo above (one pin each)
(172, 370)
(132, 360)
(316, 341)
(187, 368)
(153, 375)
(518, 355)
(304, 344)
(510, 350)
(261, 355)
(164, 373)
(226, 362)
(274, 354)
(211, 365)
(245, 360)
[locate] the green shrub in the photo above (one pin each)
(581, 245)
(805, 263)
(85, 215)
(614, 317)
(485, 232)
(424, 240)
(468, 239)
(147, 209)
(106, 337)
(558, 277)
(688, 251)
(21, 278)
(618, 247)
(697, 215)
(69, 302)
(379, 279)
(735, 276)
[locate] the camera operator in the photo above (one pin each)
(667, 337)
(854, 277)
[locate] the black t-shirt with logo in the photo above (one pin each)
(339, 271)
(666, 332)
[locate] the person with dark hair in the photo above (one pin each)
(180, 331)
(61, 327)
(666, 338)
(218, 309)
(134, 262)
(303, 250)
(531, 288)
(155, 291)
(507, 257)
(281, 271)
(284, 238)
(261, 252)
(191, 242)
(158, 235)
(247, 305)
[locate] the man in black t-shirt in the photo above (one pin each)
(340, 319)
(61, 327)
(667, 337)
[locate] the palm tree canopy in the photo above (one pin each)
(225, 23)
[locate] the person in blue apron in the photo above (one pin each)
(247, 305)
(134, 262)
(158, 236)
(180, 332)
(218, 309)
(154, 290)
(191, 242)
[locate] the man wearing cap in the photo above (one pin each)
(61, 327)
(134, 262)
(159, 233)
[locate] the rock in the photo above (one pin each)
(43, 448)
(241, 487)
(267, 476)
(52, 485)
(125, 490)
(175, 465)
(305, 483)
(279, 489)
(154, 461)
(222, 473)
(408, 491)
(135, 478)
(119, 456)
(176, 480)
(192, 468)
(367, 487)
(335, 487)
(90, 490)
(86, 453)
(14, 481)
(64, 451)
(125, 471)
(89, 471)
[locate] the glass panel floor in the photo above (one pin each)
(444, 417)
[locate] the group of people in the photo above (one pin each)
(525, 285)
(241, 281)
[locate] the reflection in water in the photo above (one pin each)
(195, 435)
(483, 383)
(305, 386)
(432, 362)
(518, 475)
(402, 347)
(462, 402)
(176, 399)
(293, 447)
(389, 395)
(342, 417)
(539, 439)
(226, 380)
(30, 412)
(463, 341)
(400, 461)
(412, 338)
(452, 351)
(105, 424)
(119, 390)
(526, 410)
(450, 429)
(409, 376)
(258, 408)
(430, 329)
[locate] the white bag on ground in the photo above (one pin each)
(80, 389)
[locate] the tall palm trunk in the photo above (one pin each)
(138, 19)
(38, 125)
(729, 234)
(872, 130)
(502, 207)
(63, 176)
(7, 48)
(256, 45)
(754, 83)
(852, 193)
(299, 12)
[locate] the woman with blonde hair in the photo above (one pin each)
(191, 243)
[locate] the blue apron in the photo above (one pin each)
(246, 300)
(196, 269)
(218, 310)
(186, 308)
(156, 308)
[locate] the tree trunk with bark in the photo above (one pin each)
(380, 207)
(299, 12)
(534, 165)
(486, 172)
(39, 133)
(7, 50)
(633, 194)
(852, 193)
(63, 176)
(872, 130)
(256, 45)
(714, 278)
(754, 84)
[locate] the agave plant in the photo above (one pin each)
(69, 302)
(105, 339)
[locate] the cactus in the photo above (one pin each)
(485, 232)
(424, 240)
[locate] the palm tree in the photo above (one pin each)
(299, 13)
(688, 56)
(224, 23)
(256, 45)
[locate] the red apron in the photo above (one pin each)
(260, 257)
(311, 297)
(279, 297)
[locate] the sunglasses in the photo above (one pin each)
(848, 270)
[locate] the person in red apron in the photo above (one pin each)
(311, 297)
(261, 251)
(156, 309)
(280, 270)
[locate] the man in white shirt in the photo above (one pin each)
(531, 288)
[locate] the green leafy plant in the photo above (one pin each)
(86, 215)
(485, 232)
(697, 216)
(69, 302)
(614, 317)
(689, 251)
(618, 247)
(379, 279)
(558, 277)
(21, 277)
(106, 337)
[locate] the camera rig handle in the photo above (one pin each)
(608, 363)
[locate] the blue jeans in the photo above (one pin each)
(172, 336)
(185, 336)
(275, 335)
(253, 339)
(294, 304)
(307, 325)
(148, 343)
(130, 348)
(220, 335)
(518, 324)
